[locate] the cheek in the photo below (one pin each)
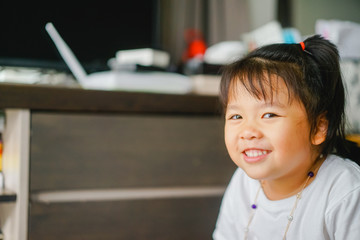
(231, 141)
(232, 147)
(303, 132)
(293, 138)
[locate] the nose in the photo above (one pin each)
(250, 131)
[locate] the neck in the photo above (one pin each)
(281, 188)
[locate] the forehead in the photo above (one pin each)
(269, 88)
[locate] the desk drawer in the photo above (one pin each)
(85, 151)
(175, 219)
(99, 176)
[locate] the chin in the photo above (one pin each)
(257, 175)
(254, 175)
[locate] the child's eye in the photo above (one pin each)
(235, 117)
(269, 115)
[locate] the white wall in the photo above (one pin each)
(306, 12)
(261, 12)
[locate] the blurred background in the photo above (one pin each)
(194, 38)
(81, 164)
(96, 30)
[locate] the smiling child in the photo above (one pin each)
(284, 129)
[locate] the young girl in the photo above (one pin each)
(284, 129)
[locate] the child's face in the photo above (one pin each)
(268, 140)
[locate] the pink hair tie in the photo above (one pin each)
(302, 44)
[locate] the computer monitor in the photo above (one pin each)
(95, 30)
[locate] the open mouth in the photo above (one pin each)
(255, 153)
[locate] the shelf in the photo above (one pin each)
(45, 98)
(7, 196)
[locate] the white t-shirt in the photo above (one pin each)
(328, 209)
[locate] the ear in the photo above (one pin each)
(321, 130)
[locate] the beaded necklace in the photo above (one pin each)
(290, 217)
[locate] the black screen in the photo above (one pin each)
(94, 30)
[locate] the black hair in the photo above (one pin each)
(312, 76)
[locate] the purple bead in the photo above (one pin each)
(254, 206)
(310, 174)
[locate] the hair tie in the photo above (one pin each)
(302, 44)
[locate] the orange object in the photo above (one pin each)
(196, 48)
(196, 45)
(302, 45)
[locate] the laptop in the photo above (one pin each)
(153, 82)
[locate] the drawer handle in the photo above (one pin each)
(126, 194)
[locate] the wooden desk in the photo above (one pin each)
(354, 138)
(111, 165)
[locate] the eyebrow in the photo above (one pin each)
(263, 104)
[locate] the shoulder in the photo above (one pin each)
(341, 170)
(342, 216)
(342, 179)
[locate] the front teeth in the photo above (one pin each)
(254, 153)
